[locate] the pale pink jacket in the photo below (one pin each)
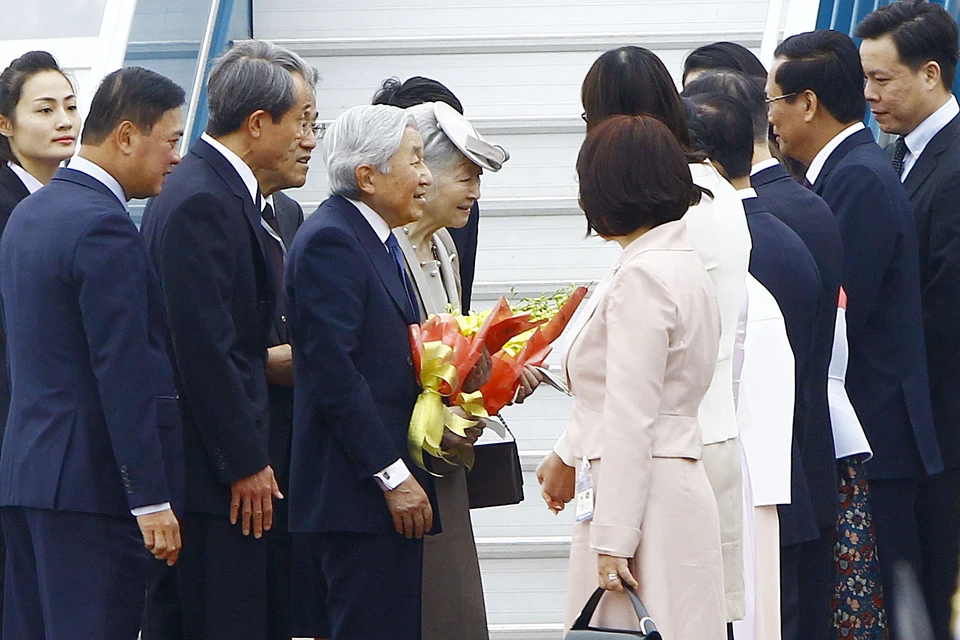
(638, 369)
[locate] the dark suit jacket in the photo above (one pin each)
(93, 420)
(205, 238)
(353, 371)
(782, 263)
(465, 239)
(933, 186)
(289, 218)
(887, 369)
(12, 191)
(811, 219)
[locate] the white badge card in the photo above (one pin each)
(584, 492)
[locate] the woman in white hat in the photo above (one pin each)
(457, 156)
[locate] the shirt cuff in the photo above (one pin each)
(562, 449)
(150, 508)
(393, 476)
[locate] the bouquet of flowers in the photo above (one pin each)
(447, 346)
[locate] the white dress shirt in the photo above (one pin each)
(816, 166)
(99, 174)
(397, 473)
(763, 164)
(31, 183)
(918, 139)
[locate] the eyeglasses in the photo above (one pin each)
(318, 128)
(770, 101)
(584, 116)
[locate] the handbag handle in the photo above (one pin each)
(647, 626)
(506, 427)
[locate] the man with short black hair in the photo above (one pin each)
(909, 54)
(93, 443)
(208, 235)
(815, 91)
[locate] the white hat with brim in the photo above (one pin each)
(466, 138)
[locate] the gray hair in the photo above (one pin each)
(439, 152)
(368, 134)
(253, 75)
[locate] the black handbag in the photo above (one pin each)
(581, 629)
(495, 479)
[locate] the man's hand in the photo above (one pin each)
(161, 535)
(557, 482)
(410, 508)
(480, 373)
(252, 499)
(280, 365)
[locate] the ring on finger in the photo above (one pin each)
(613, 577)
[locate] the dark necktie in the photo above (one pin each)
(807, 184)
(899, 153)
(275, 255)
(413, 308)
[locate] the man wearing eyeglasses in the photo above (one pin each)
(213, 238)
(816, 104)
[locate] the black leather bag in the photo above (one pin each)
(496, 478)
(581, 629)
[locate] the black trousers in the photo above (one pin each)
(223, 580)
(374, 585)
(73, 575)
(807, 576)
(163, 618)
(938, 520)
(894, 507)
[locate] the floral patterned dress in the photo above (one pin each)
(858, 612)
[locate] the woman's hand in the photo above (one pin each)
(613, 572)
(480, 373)
(557, 482)
(530, 379)
(453, 442)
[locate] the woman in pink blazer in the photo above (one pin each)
(640, 361)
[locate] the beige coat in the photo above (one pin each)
(639, 368)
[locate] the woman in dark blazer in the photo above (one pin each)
(39, 125)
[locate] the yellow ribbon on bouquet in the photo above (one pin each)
(431, 415)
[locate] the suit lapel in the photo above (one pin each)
(928, 160)
(229, 175)
(855, 140)
(377, 252)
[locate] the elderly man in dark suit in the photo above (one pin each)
(909, 54)
(92, 447)
(354, 491)
(208, 238)
(815, 89)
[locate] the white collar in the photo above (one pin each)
(746, 194)
(31, 183)
(813, 171)
(762, 165)
(918, 139)
(241, 167)
(98, 173)
(378, 224)
(268, 200)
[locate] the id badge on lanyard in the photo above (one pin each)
(585, 496)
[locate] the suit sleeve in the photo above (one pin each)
(870, 233)
(941, 291)
(111, 270)
(197, 263)
(640, 315)
(329, 278)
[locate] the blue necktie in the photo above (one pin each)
(413, 306)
